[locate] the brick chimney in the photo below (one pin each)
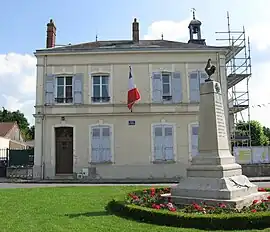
(51, 34)
(135, 31)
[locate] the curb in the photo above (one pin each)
(161, 181)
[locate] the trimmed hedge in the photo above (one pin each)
(241, 221)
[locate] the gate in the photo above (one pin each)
(3, 162)
(15, 159)
(21, 158)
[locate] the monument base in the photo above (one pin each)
(235, 191)
(238, 203)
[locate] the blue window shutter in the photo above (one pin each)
(194, 87)
(78, 88)
(106, 153)
(176, 87)
(156, 88)
(49, 89)
(203, 77)
(168, 148)
(158, 142)
(194, 140)
(95, 144)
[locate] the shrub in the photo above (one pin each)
(247, 219)
(241, 221)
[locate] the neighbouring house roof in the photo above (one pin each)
(6, 127)
(123, 45)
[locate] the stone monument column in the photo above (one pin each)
(214, 176)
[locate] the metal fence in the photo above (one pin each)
(252, 155)
(17, 157)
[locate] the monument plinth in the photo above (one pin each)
(214, 176)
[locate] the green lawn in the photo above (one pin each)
(67, 209)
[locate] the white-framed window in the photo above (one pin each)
(195, 80)
(101, 140)
(64, 89)
(163, 142)
(100, 88)
(166, 86)
(193, 139)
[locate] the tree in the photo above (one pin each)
(258, 137)
(266, 131)
(31, 132)
(17, 116)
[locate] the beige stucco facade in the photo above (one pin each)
(132, 145)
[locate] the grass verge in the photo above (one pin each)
(74, 209)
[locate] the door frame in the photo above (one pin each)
(152, 159)
(53, 147)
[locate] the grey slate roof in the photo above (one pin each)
(124, 45)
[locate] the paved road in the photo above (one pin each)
(13, 185)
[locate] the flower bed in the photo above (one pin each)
(148, 206)
(151, 198)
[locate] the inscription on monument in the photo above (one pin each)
(221, 127)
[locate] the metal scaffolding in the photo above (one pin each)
(238, 72)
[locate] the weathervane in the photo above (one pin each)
(193, 10)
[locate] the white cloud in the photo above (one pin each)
(260, 35)
(171, 30)
(18, 83)
(259, 93)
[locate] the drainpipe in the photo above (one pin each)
(42, 121)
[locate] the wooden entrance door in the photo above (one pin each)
(64, 150)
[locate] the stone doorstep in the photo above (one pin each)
(237, 202)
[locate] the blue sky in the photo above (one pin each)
(23, 29)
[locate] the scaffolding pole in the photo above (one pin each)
(238, 73)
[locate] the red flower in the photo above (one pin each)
(253, 210)
(261, 189)
(222, 205)
(155, 206)
(135, 197)
(197, 207)
(153, 191)
(255, 202)
(268, 197)
(172, 209)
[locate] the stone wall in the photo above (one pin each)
(256, 170)
(21, 173)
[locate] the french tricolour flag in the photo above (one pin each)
(133, 92)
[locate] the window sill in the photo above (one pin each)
(64, 104)
(168, 103)
(164, 162)
(102, 162)
(101, 103)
